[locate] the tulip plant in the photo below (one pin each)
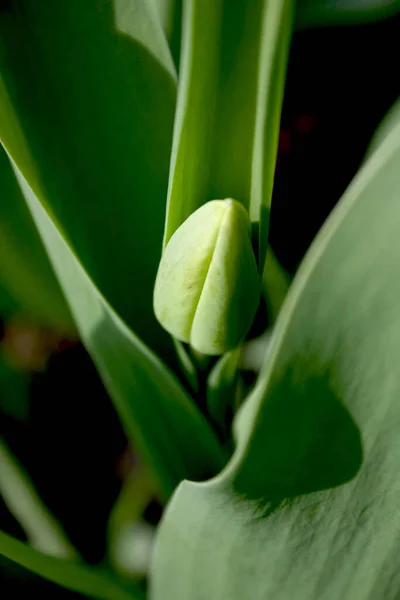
(139, 142)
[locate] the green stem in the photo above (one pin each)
(138, 489)
(276, 284)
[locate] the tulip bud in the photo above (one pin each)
(207, 288)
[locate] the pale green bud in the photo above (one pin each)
(207, 288)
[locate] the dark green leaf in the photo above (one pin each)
(92, 86)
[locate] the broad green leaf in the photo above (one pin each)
(25, 270)
(232, 74)
(162, 422)
(313, 13)
(90, 581)
(308, 508)
(19, 495)
(92, 85)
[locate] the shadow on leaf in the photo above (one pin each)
(303, 440)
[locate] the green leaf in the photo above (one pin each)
(162, 422)
(25, 270)
(92, 582)
(8, 304)
(20, 497)
(160, 419)
(308, 508)
(93, 86)
(232, 75)
(313, 13)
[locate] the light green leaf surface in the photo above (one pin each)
(25, 270)
(93, 85)
(308, 508)
(90, 581)
(232, 74)
(314, 13)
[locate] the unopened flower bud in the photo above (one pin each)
(207, 288)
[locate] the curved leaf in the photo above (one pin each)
(161, 420)
(308, 506)
(92, 85)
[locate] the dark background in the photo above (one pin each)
(341, 82)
